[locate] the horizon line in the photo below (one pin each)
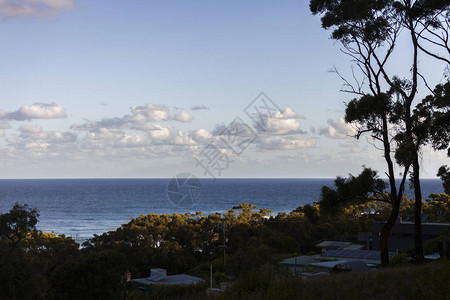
(203, 178)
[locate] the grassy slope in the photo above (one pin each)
(431, 281)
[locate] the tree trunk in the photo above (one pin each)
(395, 200)
(417, 212)
(410, 137)
(384, 236)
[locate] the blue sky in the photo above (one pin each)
(113, 89)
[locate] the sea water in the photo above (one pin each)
(83, 207)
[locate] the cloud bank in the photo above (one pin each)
(148, 131)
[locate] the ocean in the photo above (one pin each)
(83, 207)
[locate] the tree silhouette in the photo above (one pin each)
(369, 31)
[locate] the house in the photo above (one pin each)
(329, 245)
(334, 253)
(337, 266)
(402, 234)
(159, 277)
(370, 257)
(300, 264)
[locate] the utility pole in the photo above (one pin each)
(210, 277)
(224, 241)
(224, 225)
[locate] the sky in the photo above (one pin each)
(131, 89)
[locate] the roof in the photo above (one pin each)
(360, 254)
(308, 274)
(354, 247)
(180, 279)
(370, 257)
(339, 245)
(156, 277)
(332, 244)
(328, 264)
(353, 265)
(303, 260)
(433, 256)
(158, 270)
(343, 265)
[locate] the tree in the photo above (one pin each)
(16, 225)
(444, 173)
(427, 24)
(28, 257)
(432, 119)
(93, 276)
(368, 31)
(379, 116)
(350, 191)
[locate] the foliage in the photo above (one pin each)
(37, 265)
(401, 259)
(432, 119)
(92, 276)
(352, 190)
(437, 208)
(19, 222)
(444, 174)
(29, 258)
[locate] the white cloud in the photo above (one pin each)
(287, 113)
(59, 137)
(3, 127)
(182, 138)
(183, 116)
(35, 145)
(102, 137)
(161, 133)
(202, 136)
(127, 141)
(143, 126)
(236, 127)
(36, 133)
(198, 107)
(104, 123)
(219, 129)
(104, 142)
(150, 112)
(291, 142)
(35, 111)
(116, 132)
(282, 126)
(338, 129)
(27, 130)
(280, 123)
(141, 119)
(34, 8)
